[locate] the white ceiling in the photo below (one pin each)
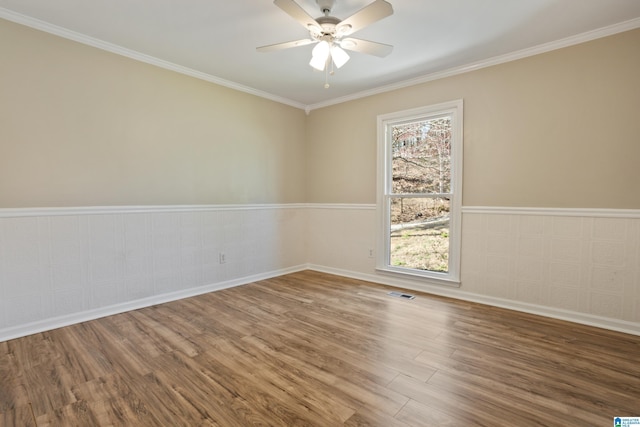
(216, 40)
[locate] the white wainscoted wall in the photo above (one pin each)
(575, 260)
(62, 266)
(581, 265)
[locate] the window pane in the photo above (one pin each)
(421, 156)
(420, 233)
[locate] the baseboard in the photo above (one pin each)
(632, 328)
(59, 322)
(570, 316)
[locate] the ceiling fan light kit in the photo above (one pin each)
(319, 55)
(328, 32)
(339, 56)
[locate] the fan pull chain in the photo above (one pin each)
(326, 74)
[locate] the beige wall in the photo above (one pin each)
(81, 127)
(561, 129)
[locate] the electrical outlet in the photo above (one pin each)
(222, 258)
(371, 253)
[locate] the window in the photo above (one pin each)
(419, 191)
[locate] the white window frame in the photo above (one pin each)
(384, 190)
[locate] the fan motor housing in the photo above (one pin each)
(328, 24)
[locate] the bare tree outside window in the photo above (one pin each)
(420, 194)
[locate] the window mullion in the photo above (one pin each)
(425, 195)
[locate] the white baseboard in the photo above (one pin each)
(581, 318)
(632, 328)
(61, 321)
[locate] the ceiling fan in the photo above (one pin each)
(330, 32)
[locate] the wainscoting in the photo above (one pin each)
(581, 261)
(581, 265)
(63, 266)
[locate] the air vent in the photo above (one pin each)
(401, 295)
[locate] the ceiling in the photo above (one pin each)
(216, 40)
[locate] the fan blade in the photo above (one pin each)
(368, 15)
(365, 46)
(285, 45)
(299, 14)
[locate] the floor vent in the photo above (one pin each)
(401, 295)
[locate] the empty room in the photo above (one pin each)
(319, 213)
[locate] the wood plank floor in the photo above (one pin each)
(311, 349)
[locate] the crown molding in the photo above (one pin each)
(138, 56)
(496, 60)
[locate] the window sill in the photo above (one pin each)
(426, 277)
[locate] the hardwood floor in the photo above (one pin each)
(311, 349)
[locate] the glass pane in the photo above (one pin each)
(420, 233)
(421, 156)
